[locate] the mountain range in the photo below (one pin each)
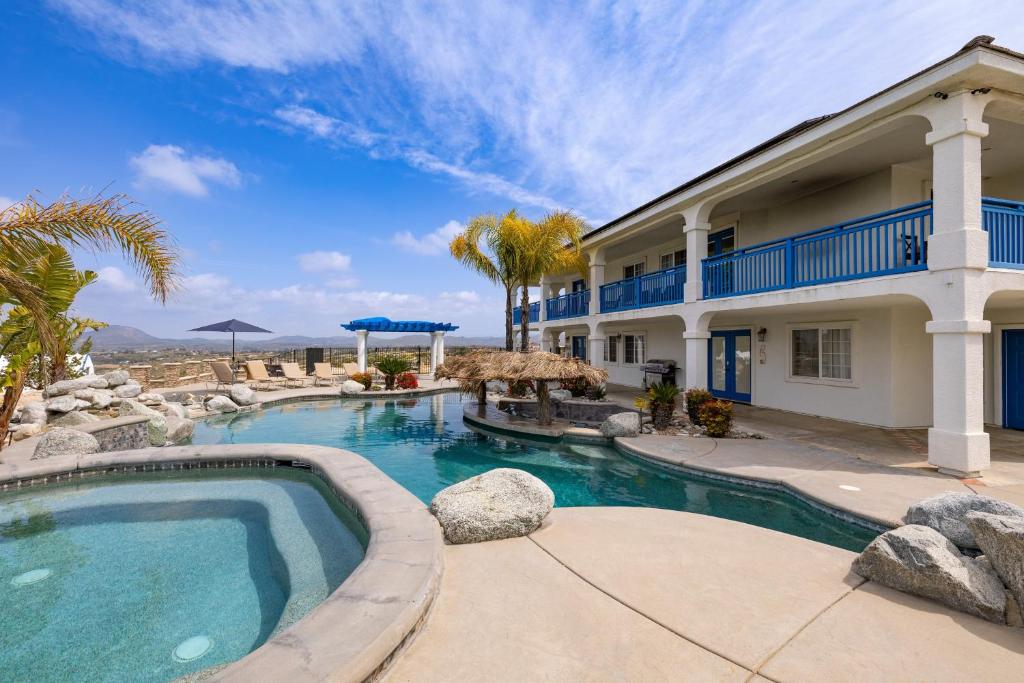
(125, 338)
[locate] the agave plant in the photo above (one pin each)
(391, 366)
(661, 397)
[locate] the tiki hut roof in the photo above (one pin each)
(507, 366)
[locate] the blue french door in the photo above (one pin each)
(579, 348)
(1013, 379)
(729, 369)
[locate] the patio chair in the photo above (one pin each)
(323, 372)
(293, 375)
(350, 369)
(223, 374)
(258, 374)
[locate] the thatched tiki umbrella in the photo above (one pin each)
(474, 370)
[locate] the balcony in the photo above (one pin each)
(534, 313)
(572, 305)
(1003, 220)
(654, 289)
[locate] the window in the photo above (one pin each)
(578, 285)
(673, 259)
(633, 270)
(611, 350)
(721, 242)
(822, 353)
(633, 349)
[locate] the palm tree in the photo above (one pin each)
(549, 245)
(491, 246)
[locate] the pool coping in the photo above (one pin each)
(368, 620)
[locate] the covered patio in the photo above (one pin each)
(363, 326)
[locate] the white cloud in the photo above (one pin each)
(6, 202)
(464, 296)
(320, 125)
(432, 243)
(320, 261)
(169, 166)
(116, 279)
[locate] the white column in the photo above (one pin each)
(595, 351)
(440, 348)
(695, 344)
(433, 352)
(596, 280)
(957, 240)
(696, 232)
(957, 442)
(544, 286)
(361, 336)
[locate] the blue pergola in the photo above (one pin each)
(388, 325)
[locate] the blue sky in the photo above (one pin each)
(312, 159)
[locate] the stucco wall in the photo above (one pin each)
(911, 367)
(664, 340)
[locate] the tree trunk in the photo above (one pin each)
(10, 402)
(58, 369)
(510, 325)
(543, 403)
(524, 319)
(481, 399)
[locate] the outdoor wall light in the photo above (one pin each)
(762, 335)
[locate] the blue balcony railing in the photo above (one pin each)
(654, 289)
(572, 305)
(534, 312)
(881, 244)
(1004, 221)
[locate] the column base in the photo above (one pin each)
(960, 455)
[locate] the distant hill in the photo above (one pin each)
(125, 338)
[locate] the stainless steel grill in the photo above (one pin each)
(663, 368)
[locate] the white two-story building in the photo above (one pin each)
(866, 266)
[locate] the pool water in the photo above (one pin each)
(153, 577)
(424, 445)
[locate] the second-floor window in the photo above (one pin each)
(633, 270)
(673, 259)
(633, 349)
(578, 285)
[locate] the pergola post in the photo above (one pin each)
(361, 336)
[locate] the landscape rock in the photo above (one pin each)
(27, 429)
(82, 405)
(64, 441)
(34, 412)
(66, 386)
(127, 390)
(179, 429)
(157, 426)
(351, 386)
(74, 419)
(175, 409)
(86, 394)
(917, 559)
(560, 394)
(98, 382)
(621, 424)
(243, 395)
(151, 398)
(947, 514)
(102, 398)
(62, 404)
(222, 404)
(501, 503)
(116, 378)
(1002, 540)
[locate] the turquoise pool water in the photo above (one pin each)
(152, 577)
(424, 445)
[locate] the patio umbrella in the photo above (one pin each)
(231, 326)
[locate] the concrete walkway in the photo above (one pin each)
(634, 594)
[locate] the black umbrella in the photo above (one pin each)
(231, 326)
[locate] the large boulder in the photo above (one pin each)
(67, 386)
(947, 514)
(157, 425)
(222, 404)
(73, 419)
(560, 394)
(98, 382)
(179, 429)
(621, 424)
(117, 378)
(1002, 540)
(62, 404)
(34, 412)
(151, 398)
(127, 390)
(243, 395)
(350, 386)
(502, 503)
(102, 398)
(27, 429)
(174, 409)
(919, 560)
(61, 441)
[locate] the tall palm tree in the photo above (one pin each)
(547, 246)
(491, 246)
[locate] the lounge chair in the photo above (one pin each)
(258, 374)
(350, 369)
(293, 375)
(223, 374)
(323, 372)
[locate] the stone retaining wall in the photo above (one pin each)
(572, 410)
(120, 433)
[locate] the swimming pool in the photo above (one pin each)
(152, 577)
(424, 445)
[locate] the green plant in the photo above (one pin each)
(716, 416)
(518, 389)
(407, 380)
(596, 392)
(391, 366)
(661, 397)
(577, 387)
(694, 399)
(364, 378)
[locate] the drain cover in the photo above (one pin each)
(193, 648)
(30, 577)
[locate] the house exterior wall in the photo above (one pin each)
(664, 339)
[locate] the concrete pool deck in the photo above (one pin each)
(614, 594)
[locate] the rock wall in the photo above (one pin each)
(120, 433)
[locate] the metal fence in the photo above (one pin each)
(418, 356)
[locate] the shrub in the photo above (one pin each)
(695, 398)
(661, 397)
(391, 366)
(407, 380)
(364, 378)
(519, 389)
(596, 392)
(716, 416)
(577, 387)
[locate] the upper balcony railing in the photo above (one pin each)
(534, 313)
(881, 244)
(654, 289)
(1004, 221)
(572, 305)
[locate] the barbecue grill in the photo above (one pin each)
(664, 368)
